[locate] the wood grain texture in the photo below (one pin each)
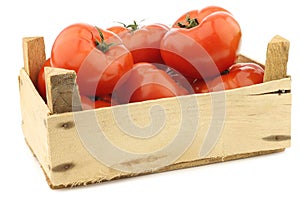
(255, 120)
(34, 56)
(277, 58)
(62, 90)
(194, 163)
(250, 119)
(34, 120)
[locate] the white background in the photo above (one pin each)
(275, 176)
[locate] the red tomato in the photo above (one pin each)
(238, 75)
(107, 98)
(199, 86)
(196, 14)
(88, 104)
(118, 29)
(144, 42)
(98, 56)
(146, 82)
(202, 43)
(102, 104)
(41, 85)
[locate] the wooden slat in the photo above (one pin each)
(34, 56)
(256, 121)
(34, 120)
(62, 90)
(277, 58)
(252, 115)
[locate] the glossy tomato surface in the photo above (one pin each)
(197, 14)
(202, 43)
(146, 82)
(144, 42)
(97, 56)
(238, 75)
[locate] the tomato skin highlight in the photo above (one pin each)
(144, 42)
(41, 84)
(199, 14)
(146, 82)
(199, 86)
(206, 49)
(99, 62)
(238, 75)
(118, 29)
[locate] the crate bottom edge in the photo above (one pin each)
(172, 167)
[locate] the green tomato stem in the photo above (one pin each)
(188, 23)
(102, 45)
(131, 27)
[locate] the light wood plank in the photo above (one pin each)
(34, 56)
(252, 114)
(255, 121)
(62, 90)
(34, 120)
(277, 58)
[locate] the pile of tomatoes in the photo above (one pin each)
(128, 63)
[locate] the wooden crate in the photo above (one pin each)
(84, 147)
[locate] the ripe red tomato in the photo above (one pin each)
(238, 75)
(118, 29)
(202, 43)
(146, 82)
(144, 42)
(98, 57)
(88, 104)
(41, 85)
(102, 104)
(182, 21)
(107, 98)
(199, 86)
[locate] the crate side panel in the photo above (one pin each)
(72, 139)
(34, 116)
(127, 150)
(71, 163)
(257, 122)
(257, 118)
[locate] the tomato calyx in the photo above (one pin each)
(227, 71)
(188, 23)
(131, 27)
(102, 45)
